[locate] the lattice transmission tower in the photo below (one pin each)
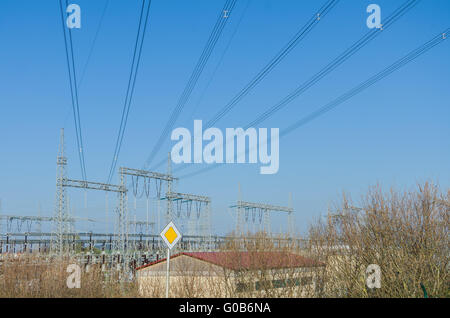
(253, 216)
(61, 226)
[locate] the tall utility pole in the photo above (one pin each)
(239, 222)
(122, 217)
(62, 221)
(169, 189)
(39, 229)
(61, 199)
(291, 228)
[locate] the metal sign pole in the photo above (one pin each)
(168, 276)
(170, 236)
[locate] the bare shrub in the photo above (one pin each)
(405, 233)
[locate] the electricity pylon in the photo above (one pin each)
(60, 224)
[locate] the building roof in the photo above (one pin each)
(248, 260)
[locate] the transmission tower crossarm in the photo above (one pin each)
(93, 185)
(244, 204)
(41, 218)
(186, 197)
(140, 223)
(148, 174)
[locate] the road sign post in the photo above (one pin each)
(170, 236)
(168, 271)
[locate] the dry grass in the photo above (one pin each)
(31, 276)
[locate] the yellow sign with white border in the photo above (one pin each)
(170, 235)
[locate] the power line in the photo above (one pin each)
(193, 79)
(131, 85)
(355, 47)
(334, 64)
(163, 161)
(212, 40)
(293, 42)
(368, 83)
(93, 43)
(219, 63)
(130, 91)
(76, 98)
(68, 44)
(356, 90)
(300, 35)
(90, 52)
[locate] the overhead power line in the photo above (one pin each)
(131, 84)
(292, 43)
(335, 63)
(349, 52)
(300, 35)
(368, 83)
(193, 79)
(91, 50)
(68, 44)
(436, 40)
(219, 63)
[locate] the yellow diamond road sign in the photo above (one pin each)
(170, 235)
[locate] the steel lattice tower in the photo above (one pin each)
(257, 215)
(60, 223)
(122, 217)
(169, 215)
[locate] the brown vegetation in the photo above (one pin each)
(32, 276)
(406, 234)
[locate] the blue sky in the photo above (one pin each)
(395, 133)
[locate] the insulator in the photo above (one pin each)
(188, 208)
(147, 183)
(179, 204)
(158, 183)
(135, 185)
(199, 207)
